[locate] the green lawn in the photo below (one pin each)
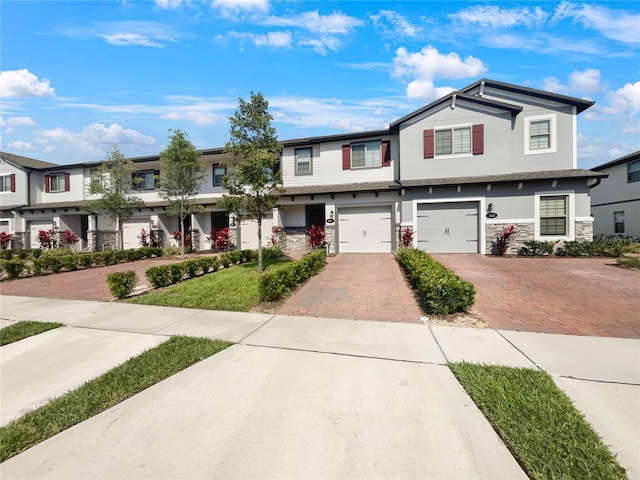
(538, 423)
(105, 391)
(233, 289)
(25, 329)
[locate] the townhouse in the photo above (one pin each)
(455, 173)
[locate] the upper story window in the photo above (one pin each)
(633, 171)
(145, 179)
(553, 215)
(364, 155)
(56, 182)
(453, 141)
(304, 161)
(8, 183)
(540, 134)
(95, 176)
(219, 171)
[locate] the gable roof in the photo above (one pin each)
(580, 104)
(627, 158)
(25, 162)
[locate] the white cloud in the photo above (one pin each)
(314, 22)
(23, 84)
(585, 83)
(17, 121)
(614, 24)
(198, 118)
(393, 24)
(624, 100)
(130, 39)
(231, 8)
(20, 145)
(427, 65)
(493, 16)
(542, 43)
(168, 4)
(320, 45)
(273, 39)
(552, 84)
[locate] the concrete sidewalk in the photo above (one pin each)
(311, 398)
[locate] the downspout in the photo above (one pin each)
(598, 181)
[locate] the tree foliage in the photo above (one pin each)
(112, 182)
(181, 176)
(251, 172)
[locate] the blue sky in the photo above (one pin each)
(78, 76)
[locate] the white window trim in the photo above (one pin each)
(364, 167)
(571, 215)
(8, 175)
(213, 174)
(453, 127)
(295, 162)
(552, 131)
(57, 174)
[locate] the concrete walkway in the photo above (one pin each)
(302, 397)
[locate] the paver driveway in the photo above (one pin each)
(360, 286)
(575, 296)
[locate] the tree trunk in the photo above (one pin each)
(260, 243)
(120, 235)
(181, 233)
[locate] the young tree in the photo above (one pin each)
(112, 182)
(251, 178)
(181, 176)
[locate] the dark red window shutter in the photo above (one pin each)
(428, 143)
(478, 139)
(12, 180)
(386, 154)
(134, 184)
(46, 184)
(346, 157)
(67, 182)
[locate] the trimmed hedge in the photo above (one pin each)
(122, 284)
(278, 282)
(440, 290)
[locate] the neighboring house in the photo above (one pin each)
(615, 201)
(455, 172)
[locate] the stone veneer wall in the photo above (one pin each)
(524, 232)
(330, 238)
(233, 238)
(92, 240)
(293, 238)
(195, 240)
(18, 241)
(106, 240)
(584, 231)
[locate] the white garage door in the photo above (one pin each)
(34, 228)
(249, 233)
(131, 231)
(364, 229)
(448, 227)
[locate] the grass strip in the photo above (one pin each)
(234, 289)
(538, 423)
(21, 330)
(105, 391)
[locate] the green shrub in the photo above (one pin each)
(440, 290)
(276, 283)
(630, 262)
(85, 260)
(23, 254)
(533, 248)
(35, 252)
(52, 263)
(208, 264)
(192, 268)
(159, 276)
(69, 262)
(6, 254)
(272, 252)
(149, 252)
(176, 271)
(225, 259)
(170, 251)
(122, 284)
(38, 265)
(14, 268)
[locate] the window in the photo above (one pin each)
(553, 215)
(453, 141)
(633, 171)
(219, 172)
(56, 182)
(618, 222)
(304, 161)
(365, 155)
(95, 176)
(8, 183)
(540, 134)
(145, 180)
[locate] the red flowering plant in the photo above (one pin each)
(274, 236)
(407, 237)
(68, 238)
(502, 242)
(316, 236)
(148, 239)
(47, 238)
(219, 238)
(187, 239)
(5, 240)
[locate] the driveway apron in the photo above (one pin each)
(360, 286)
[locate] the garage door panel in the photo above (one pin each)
(34, 228)
(249, 233)
(448, 227)
(131, 231)
(364, 229)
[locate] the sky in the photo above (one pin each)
(78, 77)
